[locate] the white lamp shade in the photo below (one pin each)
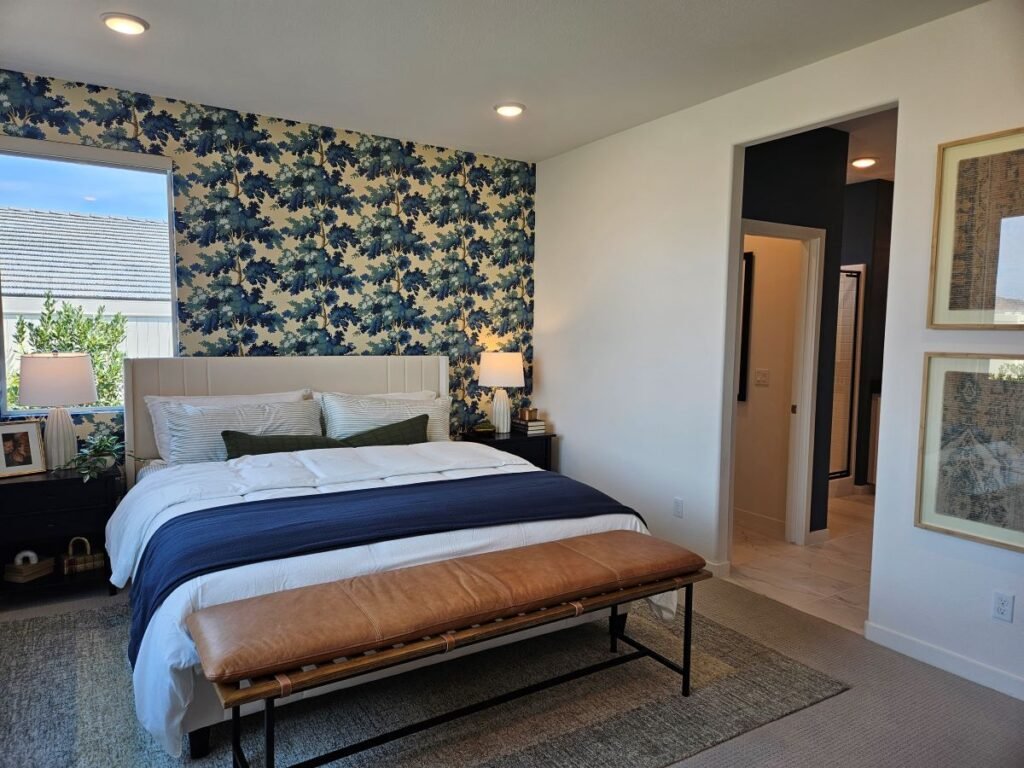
(58, 379)
(502, 369)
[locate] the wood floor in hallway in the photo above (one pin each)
(828, 580)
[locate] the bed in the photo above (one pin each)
(172, 698)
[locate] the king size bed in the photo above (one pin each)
(194, 534)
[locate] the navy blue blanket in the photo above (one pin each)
(251, 532)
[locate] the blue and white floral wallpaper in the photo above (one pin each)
(299, 239)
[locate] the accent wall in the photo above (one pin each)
(299, 239)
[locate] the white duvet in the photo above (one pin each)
(164, 679)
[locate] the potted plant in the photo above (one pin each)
(98, 455)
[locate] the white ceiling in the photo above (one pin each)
(431, 70)
(872, 136)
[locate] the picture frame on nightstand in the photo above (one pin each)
(24, 453)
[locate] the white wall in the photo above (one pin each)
(762, 422)
(635, 241)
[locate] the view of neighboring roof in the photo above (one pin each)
(82, 256)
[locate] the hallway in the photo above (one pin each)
(828, 580)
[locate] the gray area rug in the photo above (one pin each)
(67, 701)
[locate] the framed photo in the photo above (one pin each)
(977, 276)
(971, 459)
(23, 448)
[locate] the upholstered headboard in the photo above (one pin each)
(355, 374)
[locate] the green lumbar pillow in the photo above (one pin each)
(406, 432)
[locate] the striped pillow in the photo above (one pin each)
(195, 430)
(347, 415)
(156, 404)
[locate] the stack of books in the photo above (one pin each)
(530, 427)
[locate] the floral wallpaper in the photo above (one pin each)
(299, 239)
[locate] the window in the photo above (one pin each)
(85, 259)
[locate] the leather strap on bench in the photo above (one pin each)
(285, 682)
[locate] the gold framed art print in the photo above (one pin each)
(971, 455)
(977, 276)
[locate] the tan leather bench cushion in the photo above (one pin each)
(285, 630)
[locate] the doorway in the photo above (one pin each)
(810, 304)
(778, 357)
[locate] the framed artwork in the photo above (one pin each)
(23, 447)
(977, 278)
(971, 459)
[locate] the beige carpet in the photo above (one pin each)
(898, 712)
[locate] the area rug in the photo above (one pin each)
(67, 701)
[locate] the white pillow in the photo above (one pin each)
(156, 403)
(347, 415)
(195, 430)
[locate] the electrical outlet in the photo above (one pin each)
(677, 507)
(1002, 606)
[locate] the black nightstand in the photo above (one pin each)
(536, 449)
(42, 512)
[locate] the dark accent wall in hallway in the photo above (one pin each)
(801, 180)
(866, 230)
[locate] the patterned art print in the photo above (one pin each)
(977, 278)
(989, 189)
(298, 239)
(973, 480)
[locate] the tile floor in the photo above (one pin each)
(828, 580)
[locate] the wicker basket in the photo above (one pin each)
(77, 563)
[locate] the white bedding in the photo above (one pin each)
(164, 676)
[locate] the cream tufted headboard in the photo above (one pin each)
(355, 374)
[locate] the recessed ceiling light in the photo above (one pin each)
(125, 24)
(864, 162)
(509, 109)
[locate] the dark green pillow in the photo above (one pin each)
(406, 432)
(244, 444)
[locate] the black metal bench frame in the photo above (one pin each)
(616, 631)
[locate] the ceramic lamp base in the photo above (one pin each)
(61, 442)
(501, 411)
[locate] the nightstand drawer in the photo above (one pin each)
(534, 451)
(43, 497)
(32, 527)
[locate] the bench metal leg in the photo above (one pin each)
(687, 636)
(616, 627)
(268, 732)
(237, 755)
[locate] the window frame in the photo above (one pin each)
(41, 149)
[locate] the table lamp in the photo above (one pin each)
(501, 369)
(57, 380)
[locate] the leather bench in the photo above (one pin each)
(274, 645)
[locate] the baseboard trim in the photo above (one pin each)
(841, 486)
(766, 526)
(816, 537)
(950, 661)
(720, 569)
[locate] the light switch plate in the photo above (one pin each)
(760, 377)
